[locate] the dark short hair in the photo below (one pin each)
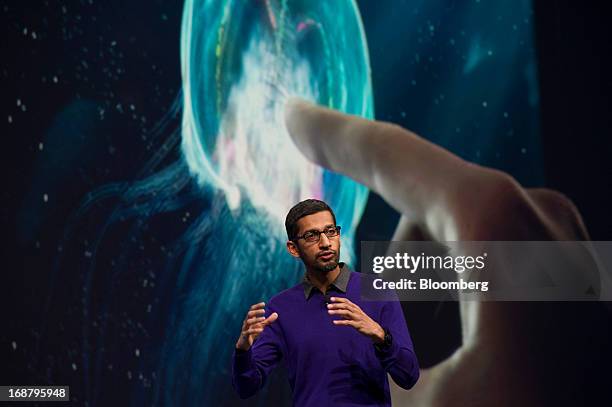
(304, 208)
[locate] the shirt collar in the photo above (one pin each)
(341, 282)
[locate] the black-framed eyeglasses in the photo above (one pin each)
(315, 235)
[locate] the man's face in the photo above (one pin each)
(322, 255)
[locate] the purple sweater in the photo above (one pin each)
(328, 364)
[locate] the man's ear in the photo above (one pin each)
(293, 249)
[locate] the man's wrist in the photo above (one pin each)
(240, 346)
(386, 343)
(379, 335)
(240, 351)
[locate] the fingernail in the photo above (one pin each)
(333, 298)
(329, 305)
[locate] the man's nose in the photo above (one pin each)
(324, 241)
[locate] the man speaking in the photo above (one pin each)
(337, 349)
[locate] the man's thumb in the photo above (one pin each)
(271, 318)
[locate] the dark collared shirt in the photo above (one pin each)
(340, 283)
(328, 364)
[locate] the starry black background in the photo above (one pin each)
(83, 85)
(102, 74)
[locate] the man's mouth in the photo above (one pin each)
(325, 256)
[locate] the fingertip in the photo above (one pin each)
(293, 105)
(295, 108)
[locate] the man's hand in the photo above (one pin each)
(354, 316)
(439, 195)
(253, 325)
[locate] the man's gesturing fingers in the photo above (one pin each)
(255, 311)
(254, 329)
(270, 319)
(254, 320)
(256, 325)
(341, 300)
(258, 306)
(345, 313)
(253, 325)
(343, 303)
(344, 307)
(348, 322)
